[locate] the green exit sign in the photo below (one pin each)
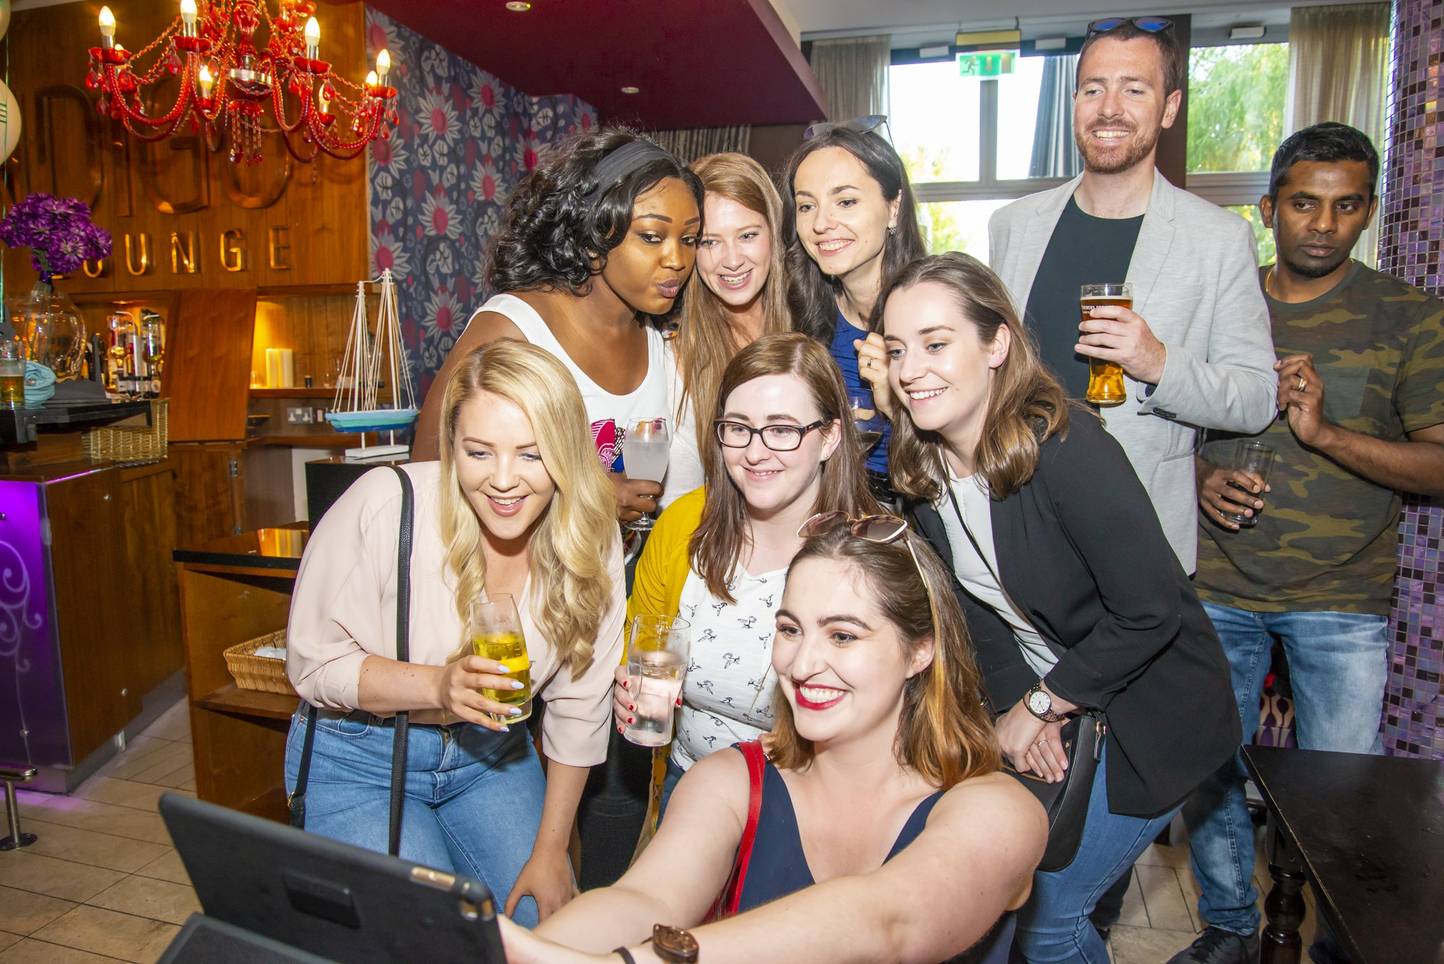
(993, 63)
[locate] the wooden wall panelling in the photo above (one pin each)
(208, 504)
(147, 507)
(235, 225)
(270, 498)
(97, 650)
(208, 356)
(313, 326)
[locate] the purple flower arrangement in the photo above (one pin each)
(58, 232)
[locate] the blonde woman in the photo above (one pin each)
(743, 296)
(518, 504)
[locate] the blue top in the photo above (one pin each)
(778, 866)
(846, 357)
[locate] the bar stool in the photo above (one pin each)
(13, 775)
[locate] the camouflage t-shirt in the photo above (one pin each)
(1326, 539)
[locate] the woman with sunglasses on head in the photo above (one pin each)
(780, 450)
(884, 831)
(742, 297)
(595, 244)
(850, 223)
(516, 507)
(1073, 597)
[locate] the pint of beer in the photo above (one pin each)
(1105, 378)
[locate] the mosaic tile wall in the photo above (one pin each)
(1410, 248)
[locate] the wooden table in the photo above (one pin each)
(231, 590)
(1367, 833)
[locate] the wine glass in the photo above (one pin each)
(867, 420)
(644, 456)
(496, 633)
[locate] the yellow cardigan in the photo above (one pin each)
(662, 570)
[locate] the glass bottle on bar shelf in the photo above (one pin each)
(121, 327)
(150, 356)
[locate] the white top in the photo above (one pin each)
(684, 462)
(344, 609)
(727, 695)
(979, 575)
(609, 414)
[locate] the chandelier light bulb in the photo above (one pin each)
(313, 38)
(383, 65)
(370, 79)
(107, 27)
(206, 81)
(188, 18)
(322, 100)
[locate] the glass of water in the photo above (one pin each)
(656, 663)
(644, 456)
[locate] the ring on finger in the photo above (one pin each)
(1303, 383)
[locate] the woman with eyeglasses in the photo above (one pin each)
(883, 830)
(1073, 598)
(850, 223)
(742, 297)
(781, 450)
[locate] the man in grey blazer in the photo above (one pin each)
(1196, 348)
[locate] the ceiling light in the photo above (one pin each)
(518, 6)
(629, 89)
(1050, 43)
(1249, 32)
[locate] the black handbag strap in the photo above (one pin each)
(297, 800)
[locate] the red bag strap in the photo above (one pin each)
(756, 760)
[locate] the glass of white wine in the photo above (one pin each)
(644, 456)
(867, 420)
(496, 634)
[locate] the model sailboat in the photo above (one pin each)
(369, 363)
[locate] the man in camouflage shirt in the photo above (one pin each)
(1361, 419)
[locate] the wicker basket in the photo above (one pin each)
(130, 444)
(262, 673)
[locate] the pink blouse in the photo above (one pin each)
(344, 609)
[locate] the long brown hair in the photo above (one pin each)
(1025, 406)
(706, 340)
(945, 733)
(569, 546)
(723, 533)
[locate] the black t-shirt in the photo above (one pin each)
(1083, 250)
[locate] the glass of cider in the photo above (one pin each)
(496, 634)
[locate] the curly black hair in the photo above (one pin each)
(551, 235)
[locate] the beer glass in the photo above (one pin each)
(496, 634)
(1254, 457)
(656, 662)
(1105, 378)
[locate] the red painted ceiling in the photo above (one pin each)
(698, 63)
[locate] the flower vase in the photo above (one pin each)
(52, 329)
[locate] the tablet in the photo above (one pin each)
(326, 898)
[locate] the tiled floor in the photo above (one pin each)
(103, 883)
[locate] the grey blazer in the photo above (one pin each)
(1195, 281)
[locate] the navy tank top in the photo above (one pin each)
(778, 866)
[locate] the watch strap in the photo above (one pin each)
(624, 954)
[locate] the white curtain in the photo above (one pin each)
(853, 75)
(1338, 71)
(1054, 152)
(691, 143)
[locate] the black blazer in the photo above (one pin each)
(1081, 553)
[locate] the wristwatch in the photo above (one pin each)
(1040, 704)
(674, 944)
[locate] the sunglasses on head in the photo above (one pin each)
(881, 529)
(866, 124)
(1146, 24)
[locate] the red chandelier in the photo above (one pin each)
(227, 82)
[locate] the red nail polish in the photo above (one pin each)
(630, 720)
(631, 707)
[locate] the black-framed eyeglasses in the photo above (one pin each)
(866, 124)
(778, 438)
(883, 529)
(1146, 24)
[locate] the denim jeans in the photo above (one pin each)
(1338, 665)
(669, 783)
(473, 797)
(1054, 924)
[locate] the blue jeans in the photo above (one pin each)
(669, 783)
(1054, 924)
(1338, 665)
(473, 797)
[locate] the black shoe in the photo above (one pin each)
(1218, 946)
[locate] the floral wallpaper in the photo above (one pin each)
(463, 142)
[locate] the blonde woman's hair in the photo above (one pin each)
(1025, 406)
(571, 586)
(945, 732)
(706, 340)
